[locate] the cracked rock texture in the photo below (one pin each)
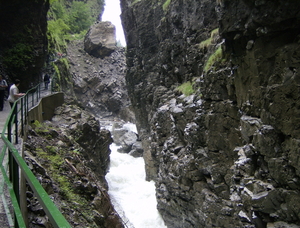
(99, 83)
(70, 158)
(226, 155)
(100, 40)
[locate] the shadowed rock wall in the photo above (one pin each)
(227, 155)
(23, 40)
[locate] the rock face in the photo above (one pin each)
(99, 83)
(100, 40)
(226, 155)
(128, 141)
(23, 40)
(70, 157)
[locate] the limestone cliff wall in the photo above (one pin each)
(227, 155)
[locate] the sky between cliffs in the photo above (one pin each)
(112, 12)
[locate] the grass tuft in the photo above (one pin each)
(186, 88)
(210, 40)
(135, 1)
(166, 5)
(215, 57)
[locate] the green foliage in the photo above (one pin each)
(76, 151)
(36, 123)
(186, 88)
(215, 57)
(51, 149)
(166, 5)
(205, 43)
(58, 29)
(70, 20)
(40, 152)
(210, 40)
(54, 158)
(39, 128)
(65, 188)
(214, 33)
(79, 17)
(58, 11)
(135, 1)
(65, 62)
(65, 22)
(19, 56)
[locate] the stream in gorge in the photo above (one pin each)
(133, 196)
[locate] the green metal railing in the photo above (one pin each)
(16, 166)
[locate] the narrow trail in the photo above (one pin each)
(5, 221)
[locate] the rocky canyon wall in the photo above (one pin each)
(69, 155)
(23, 40)
(227, 154)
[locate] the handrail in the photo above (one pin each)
(17, 163)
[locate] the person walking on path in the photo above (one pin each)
(14, 95)
(46, 80)
(3, 86)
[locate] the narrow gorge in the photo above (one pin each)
(213, 88)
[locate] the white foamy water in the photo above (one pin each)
(134, 196)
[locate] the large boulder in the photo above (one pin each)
(100, 40)
(99, 83)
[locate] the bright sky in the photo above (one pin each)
(112, 12)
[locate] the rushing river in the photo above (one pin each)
(133, 197)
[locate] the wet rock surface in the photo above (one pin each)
(225, 156)
(70, 157)
(127, 140)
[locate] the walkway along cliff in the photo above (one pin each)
(226, 153)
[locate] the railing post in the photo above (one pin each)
(12, 164)
(18, 168)
(25, 110)
(14, 179)
(38, 92)
(15, 183)
(22, 117)
(16, 121)
(9, 129)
